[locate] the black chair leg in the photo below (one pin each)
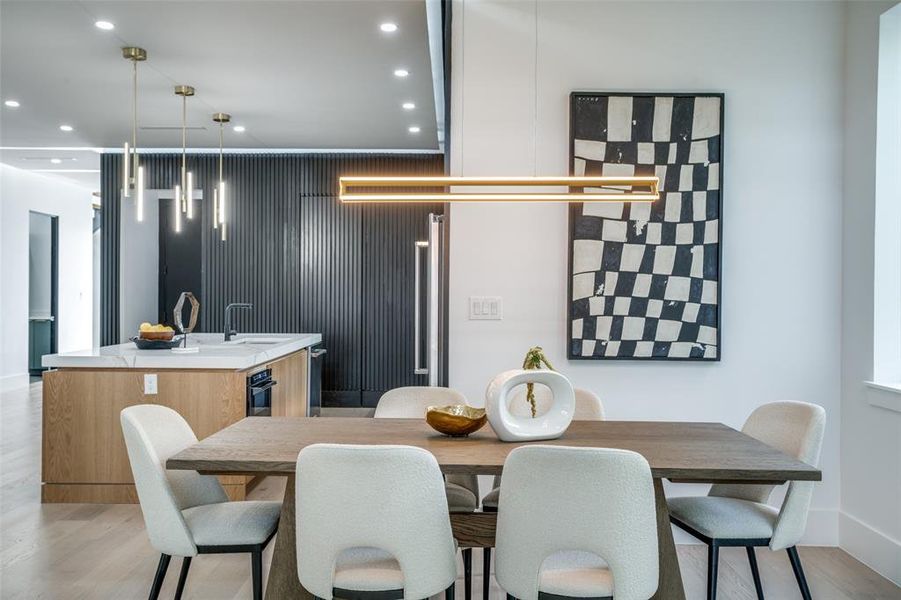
(161, 569)
(449, 593)
(755, 572)
(256, 566)
(799, 572)
(467, 573)
(182, 577)
(713, 558)
(486, 573)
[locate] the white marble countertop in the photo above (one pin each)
(244, 351)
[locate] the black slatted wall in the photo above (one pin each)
(306, 262)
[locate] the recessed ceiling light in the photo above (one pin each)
(65, 128)
(401, 72)
(56, 161)
(238, 128)
(408, 105)
(388, 27)
(12, 103)
(414, 129)
(104, 25)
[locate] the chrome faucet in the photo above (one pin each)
(229, 332)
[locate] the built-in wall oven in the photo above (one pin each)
(259, 393)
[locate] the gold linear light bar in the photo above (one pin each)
(599, 189)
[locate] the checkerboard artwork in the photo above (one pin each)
(644, 277)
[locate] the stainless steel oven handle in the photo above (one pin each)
(417, 327)
(263, 387)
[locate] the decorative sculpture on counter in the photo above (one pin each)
(548, 426)
(192, 322)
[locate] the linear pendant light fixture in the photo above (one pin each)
(472, 189)
(219, 190)
(130, 166)
(184, 192)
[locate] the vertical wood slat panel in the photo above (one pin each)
(307, 262)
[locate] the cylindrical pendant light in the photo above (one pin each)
(219, 192)
(177, 208)
(184, 190)
(139, 203)
(130, 155)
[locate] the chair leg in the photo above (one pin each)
(713, 558)
(467, 573)
(182, 577)
(161, 569)
(449, 592)
(755, 572)
(799, 572)
(486, 573)
(256, 566)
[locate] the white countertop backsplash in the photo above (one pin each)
(213, 353)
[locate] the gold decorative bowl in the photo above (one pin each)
(164, 336)
(456, 420)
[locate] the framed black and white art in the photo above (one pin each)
(644, 278)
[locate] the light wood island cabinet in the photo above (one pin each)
(84, 457)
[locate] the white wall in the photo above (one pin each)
(870, 524)
(781, 67)
(21, 192)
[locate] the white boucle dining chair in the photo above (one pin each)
(462, 491)
(348, 546)
(738, 515)
(187, 513)
(588, 408)
(577, 523)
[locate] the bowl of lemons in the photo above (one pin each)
(158, 332)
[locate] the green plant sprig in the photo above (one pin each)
(535, 359)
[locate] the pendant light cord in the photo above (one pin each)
(134, 121)
(184, 145)
(535, 106)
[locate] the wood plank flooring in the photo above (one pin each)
(86, 551)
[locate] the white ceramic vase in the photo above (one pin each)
(548, 426)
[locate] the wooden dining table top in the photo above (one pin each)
(681, 451)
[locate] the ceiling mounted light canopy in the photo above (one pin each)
(130, 164)
(219, 190)
(184, 192)
(579, 189)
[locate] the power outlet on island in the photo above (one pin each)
(150, 388)
(486, 308)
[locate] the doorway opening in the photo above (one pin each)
(43, 288)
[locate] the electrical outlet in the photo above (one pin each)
(150, 384)
(486, 308)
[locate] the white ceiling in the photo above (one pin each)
(297, 74)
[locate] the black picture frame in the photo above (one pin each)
(576, 208)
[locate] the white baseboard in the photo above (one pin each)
(873, 548)
(11, 382)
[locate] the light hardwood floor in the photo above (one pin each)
(81, 551)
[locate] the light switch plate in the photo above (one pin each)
(486, 308)
(150, 385)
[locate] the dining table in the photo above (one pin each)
(683, 452)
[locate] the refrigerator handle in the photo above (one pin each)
(417, 316)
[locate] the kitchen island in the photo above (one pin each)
(84, 457)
